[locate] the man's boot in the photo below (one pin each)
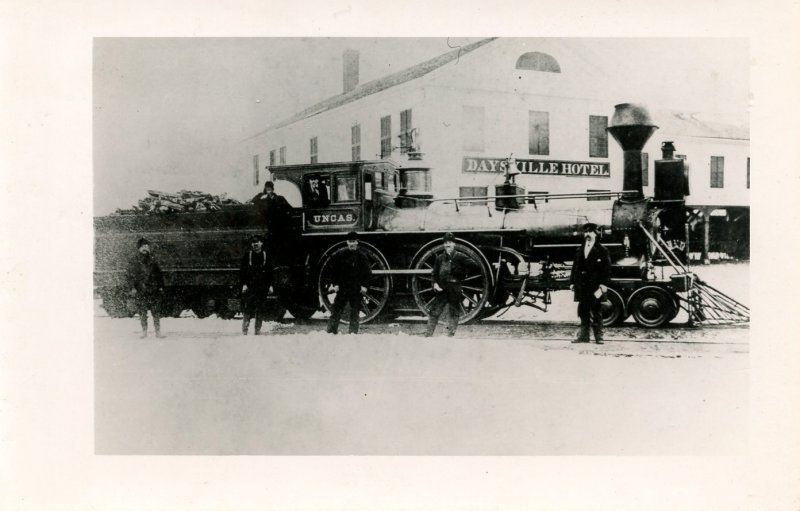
(583, 334)
(259, 321)
(431, 326)
(143, 322)
(157, 326)
(598, 333)
(245, 325)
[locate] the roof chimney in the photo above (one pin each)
(350, 69)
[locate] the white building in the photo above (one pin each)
(544, 101)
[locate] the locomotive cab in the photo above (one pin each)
(341, 197)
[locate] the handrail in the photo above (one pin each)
(535, 196)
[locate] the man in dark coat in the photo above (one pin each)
(255, 275)
(275, 210)
(590, 274)
(147, 286)
(351, 275)
(449, 271)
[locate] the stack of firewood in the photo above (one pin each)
(182, 202)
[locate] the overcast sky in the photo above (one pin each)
(170, 113)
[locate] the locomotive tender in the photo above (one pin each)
(520, 246)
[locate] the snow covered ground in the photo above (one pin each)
(208, 390)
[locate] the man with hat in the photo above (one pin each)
(351, 275)
(449, 270)
(276, 212)
(590, 273)
(255, 275)
(146, 283)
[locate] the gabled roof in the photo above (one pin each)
(694, 124)
(381, 84)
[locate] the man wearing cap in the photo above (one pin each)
(590, 273)
(448, 272)
(351, 275)
(147, 286)
(255, 275)
(275, 210)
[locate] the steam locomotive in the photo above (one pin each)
(520, 246)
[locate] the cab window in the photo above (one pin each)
(346, 189)
(316, 190)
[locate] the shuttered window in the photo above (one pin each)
(282, 155)
(314, 150)
(717, 171)
(355, 142)
(538, 132)
(272, 158)
(386, 136)
(473, 191)
(645, 169)
(255, 169)
(598, 136)
(405, 131)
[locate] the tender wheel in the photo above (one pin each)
(651, 307)
(614, 309)
(475, 288)
(374, 301)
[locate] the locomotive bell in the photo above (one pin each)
(631, 126)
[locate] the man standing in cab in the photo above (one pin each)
(351, 275)
(255, 274)
(590, 274)
(449, 271)
(275, 210)
(146, 283)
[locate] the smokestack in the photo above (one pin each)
(350, 69)
(632, 127)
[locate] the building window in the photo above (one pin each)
(255, 170)
(282, 155)
(406, 137)
(473, 191)
(538, 61)
(472, 122)
(598, 197)
(386, 136)
(355, 142)
(748, 172)
(598, 136)
(534, 197)
(717, 171)
(538, 132)
(645, 169)
(313, 151)
(272, 158)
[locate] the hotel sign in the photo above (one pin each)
(544, 167)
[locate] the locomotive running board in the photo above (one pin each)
(705, 304)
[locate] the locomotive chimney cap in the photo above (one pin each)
(631, 114)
